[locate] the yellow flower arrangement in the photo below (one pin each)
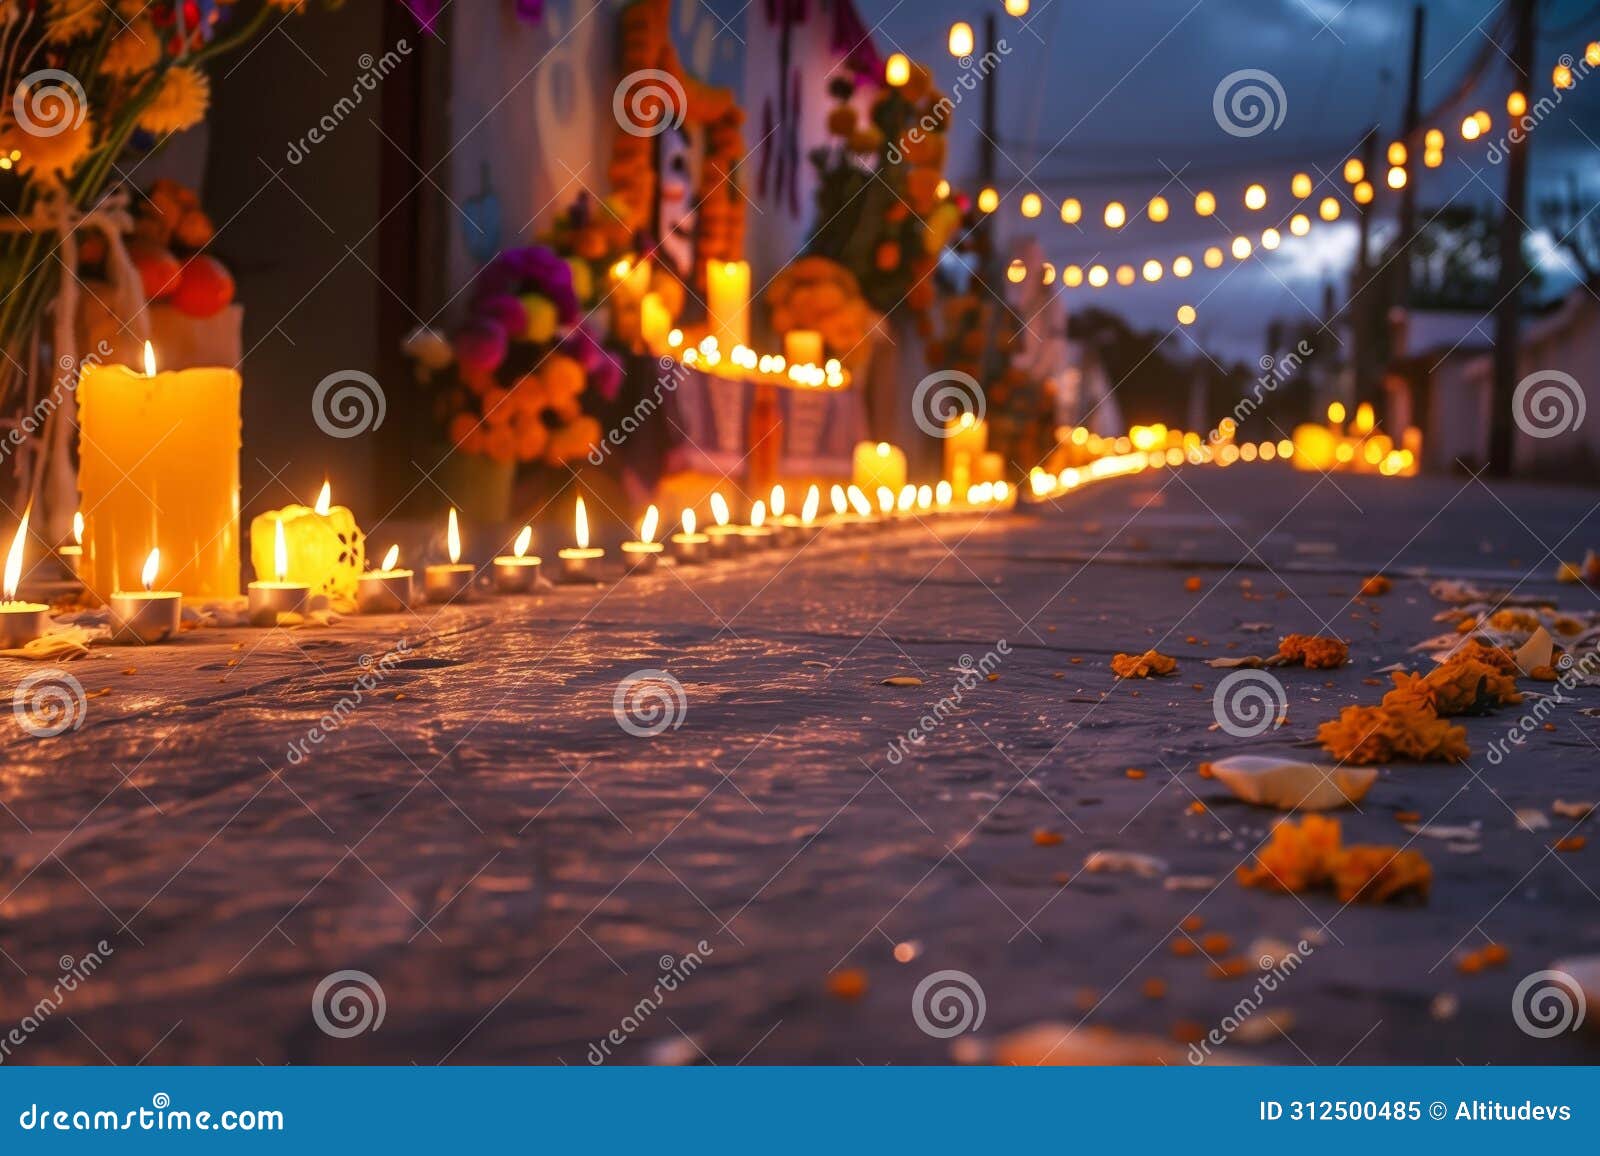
(180, 103)
(55, 147)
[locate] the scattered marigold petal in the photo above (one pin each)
(1046, 838)
(1313, 651)
(1216, 943)
(1154, 988)
(1377, 585)
(1194, 584)
(1142, 665)
(1571, 843)
(1192, 923)
(1134, 773)
(1183, 948)
(850, 984)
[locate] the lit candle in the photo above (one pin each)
(20, 622)
(728, 301)
(516, 572)
(943, 494)
(991, 467)
(325, 548)
(167, 441)
(655, 321)
(146, 615)
(802, 347)
(280, 596)
(577, 563)
(878, 464)
(786, 527)
(863, 515)
(72, 554)
(689, 548)
(643, 554)
(446, 583)
(757, 535)
(724, 536)
(385, 590)
(966, 439)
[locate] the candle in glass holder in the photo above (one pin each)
(385, 590)
(724, 535)
(71, 554)
(20, 622)
(160, 441)
(146, 615)
(280, 596)
(518, 571)
(757, 535)
(447, 582)
(642, 555)
(878, 464)
(577, 563)
(689, 548)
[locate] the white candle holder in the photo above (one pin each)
(755, 538)
(642, 557)
(270, 599)
(516, 573)
(578, 564)
(384, 591)
(22, 622)
(448, 582)
(690, 549)
(145, 616)
(725, 541)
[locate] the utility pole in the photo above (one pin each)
(1508, 291)
(1400, 299)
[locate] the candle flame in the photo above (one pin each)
(907, 498)
(758, 513)
(647, 528)
(280, 553)
(780, 500)
(453, 538)
(944, 493)
(152, 566)
(391, 558)
(858, 499)
(149, 360)
(885, 499)
(808, 512)
(582, 525)
(719, 509)
(324, 499)
(524, 540)
(77, 527)
(688, 521)
(13, 574)
(883, 449)
(837, 496)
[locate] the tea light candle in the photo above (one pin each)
(516, 572)
(877, 464)
(72, 555)
(449, 582)
(785, 526)
(728, 301)
(577, 564)
(862, 514)
(643, 554)
(689, 548)
(280, 596)
(325, 548)
(802, 347)
(385, 590)
(655, 321)
(757, 535)
(724, 536)
(146, 615)
(20, 622)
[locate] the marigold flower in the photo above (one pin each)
(1313, 651)
(1377, 874)
(1142, 665)
(1363, 735)
(180, 102)
(1298, 858)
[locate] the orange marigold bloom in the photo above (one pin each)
(1455, 687)
(1142, 665)
(1363, 735)
(1314, 651)
(1378, 874)
(1376, 585)
(1296, 857)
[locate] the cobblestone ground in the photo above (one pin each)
(515, 870)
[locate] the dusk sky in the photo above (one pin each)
(1115, 100)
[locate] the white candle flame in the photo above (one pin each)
(391, 558)
(688, 521)
(77, 527)
(453, 538)
(524, 540)
(324, 499)
(885, 499)
(280, 553)
(582, 525)
(647, 528)
(152, 566)
(808, 512)
(758, 513)
(13, 574)
(149, 360)
(719, 509)
(858, 499)
(836, 495)
(907, 498)
(944, 493)
(780, 500)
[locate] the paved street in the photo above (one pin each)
(481, 836)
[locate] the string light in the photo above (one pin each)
(960, 39)
(1098, 276)
(1354, 171)
(1299, 224)
(942, 190)
(1470, 129)
(1126, 276)
(1152, 270)
(1213, 258)
(1300, 186)
(1241, 248)
(1255, 197)
(1116, 215)
(1158, 209)
(1016, 272)
(1397, 178)
(1363, 193)
(1071, 211)
(1032, 205)
(1072, 276)
(1434, 140)
(1204, 203)
(1397, 153)
(1271, 239)
(897, 70)
(1516, 104)
(1186, 315)
(988, 201)
(1561, 77)
(1017, 8)
(1182, 267)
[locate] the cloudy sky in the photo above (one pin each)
(1114, 100)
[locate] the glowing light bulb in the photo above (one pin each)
(1152, 270)
(897, 70)
(1071, 211)
(1204, 204)
(988, 201)
(1182, 267)
(1329, 209)
(1354, 171)
(960, 39)
(1255, 197)
(1032, 205)
(1397, 178)
(1299, 224)
(1116, 215)
(1397, 153)
(1300, 185)
(1186, 315)
(1158, 209)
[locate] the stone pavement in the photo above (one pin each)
(517, 872)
